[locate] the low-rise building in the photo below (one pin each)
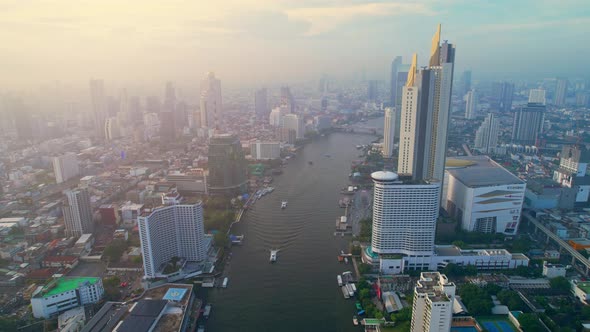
(553, 270)
(265, 150)
(62, 294)
(581, 290)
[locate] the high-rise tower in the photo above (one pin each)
(528, 123)
(388, 132)
(395, 67)
(78, 212)
(99, 111)
(211, 107)
(471, 105)
(560, 92)
(425, 111)
(261, 103)
(486, 136)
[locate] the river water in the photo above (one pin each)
(299, 292)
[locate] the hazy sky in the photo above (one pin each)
(255, 41)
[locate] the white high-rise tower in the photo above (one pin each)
(432, 309)
(486, 136)
(211, 107)
(388, 132)
(471, 105)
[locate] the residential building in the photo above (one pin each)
(389, 132)
(193, 181)
(486, 136)
(111, 129)
(287, 100)
(372, 90)
(537, 96)
(227, 165)
(65, 167)
(484, 197)
(471, 105)
(322, 122)
(77, 212)
(560, 92)
(62, 294)
(265, 150)
(432, 308)
(465, 82)
(261, 103)
(294, 122)
(528, 124)
(551, 271)
(395, 67)
(211, 106)
(276, 116)
(171, 231)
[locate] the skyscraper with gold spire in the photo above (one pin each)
(425, 112)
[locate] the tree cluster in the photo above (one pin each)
(476, 299)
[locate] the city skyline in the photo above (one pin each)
(305, 35)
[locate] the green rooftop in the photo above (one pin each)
(61, 285)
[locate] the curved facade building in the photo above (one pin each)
(171, 231)
(227, 165)
(404, 215)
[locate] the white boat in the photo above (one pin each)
(353, 287)
(225, 281)
(284, 205)
(350, 291)
(339, 277)
(355, 321)
(346, 260)
(273, 255)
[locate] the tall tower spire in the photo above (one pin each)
(435, 49)
(412, 71)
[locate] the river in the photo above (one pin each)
(299, 292)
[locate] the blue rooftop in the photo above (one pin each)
(175, 294)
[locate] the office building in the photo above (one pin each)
(65, 167)
(294, 122)
(560, 92)
(63, 294)
(573, 171)
(77, 212)
(471, 105)
(99, 107)
(389, 132)
(426, 101)
(484, 197)
(260, 103)
(502, 96)
(465, 82)
(486, 136)
(211, 107)
(287, 135)
(265, 150)
(582, 99)
(404, 215)
(193, 181)
(537, 96)
(169, 97)
(432, 308)
(167, 128)
(227, 165)
(395, 67)
(171, 231)
(528, 124)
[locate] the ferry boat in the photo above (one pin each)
(284, 205)
(207, 311)
(273, 255)
(339, 278)
(225, 281)
(349, 290)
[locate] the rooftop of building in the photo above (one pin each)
(61, 285)
(585, 286)
(482, 171)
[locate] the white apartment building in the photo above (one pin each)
(432, 309)
(211, 107)
(537, 96)
(265, 150)
(471, 105)
(484, 196)
(404, 215)
(62, 294)
(65, 167)
(389, 132)
(486, 136)
(171, 231)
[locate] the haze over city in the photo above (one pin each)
(312, 165)
(249, 42)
